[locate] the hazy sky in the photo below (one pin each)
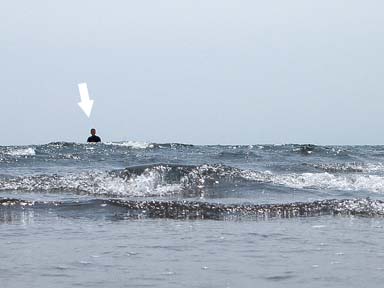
(201, 72)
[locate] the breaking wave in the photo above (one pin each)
(185, 180)
(21, 152)
(92, 183)
(131, 144)
(210, 175)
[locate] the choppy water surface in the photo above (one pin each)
(137, 214)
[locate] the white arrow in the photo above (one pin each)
(86, 104)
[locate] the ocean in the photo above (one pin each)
(132, 214)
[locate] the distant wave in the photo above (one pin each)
(121, 209)
(238, 154)
(126, 144)
(304, 149)
(223, 152)
(339, 167)
(145, 145)
(131, 144)
(62, 143)
(347, 167)
(172, 145)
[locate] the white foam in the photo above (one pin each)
(351, 167)
(95, 183)
(131, 144)
(374, 167)
(21, 152)
(153, 182)
(348, 182)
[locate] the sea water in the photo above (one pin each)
(170, 215)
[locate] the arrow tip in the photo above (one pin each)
(86, 106)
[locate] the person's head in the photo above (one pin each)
(93, 131)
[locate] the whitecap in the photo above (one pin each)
(21, 152)
(131, 144)
(372, 183)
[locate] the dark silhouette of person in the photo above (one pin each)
(93, 138)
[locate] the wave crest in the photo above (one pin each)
(186, 180)
(93, 183)
(131, 144)
(29, 151)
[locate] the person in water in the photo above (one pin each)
(93, 138)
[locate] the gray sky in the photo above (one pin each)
(201, 72)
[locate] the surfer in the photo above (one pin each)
(93, 138)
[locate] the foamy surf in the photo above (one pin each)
(21, 152)
(199, 181)
(94, 183)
